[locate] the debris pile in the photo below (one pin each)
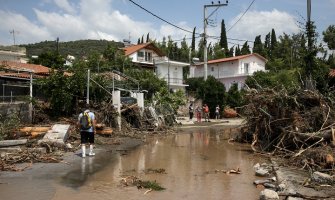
(294, 124)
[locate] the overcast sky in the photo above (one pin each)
(39, 20)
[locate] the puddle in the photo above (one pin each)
(189, 159)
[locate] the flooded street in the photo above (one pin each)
(190, 159)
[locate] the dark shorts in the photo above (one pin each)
(86, 137)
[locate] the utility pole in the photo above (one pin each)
(218, 5)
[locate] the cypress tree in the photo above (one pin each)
(142, 39)
(231, 52)
(193, 40)
(258, 46)
(148, 40)
(267, 44)
(139, 41)
(245, 49)
(237, 50)
(273, 44)
(223, 38)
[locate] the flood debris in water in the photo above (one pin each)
(224, 171)
(155, 171)
(135, 181)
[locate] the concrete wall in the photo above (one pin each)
(22, 109)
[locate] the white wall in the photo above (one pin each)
(230, 69)
(230, 72)
(176, 72)
(135, 58)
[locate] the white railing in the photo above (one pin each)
(177, 81)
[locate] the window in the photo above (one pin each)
(147, 56)
(140, 54)
(212, 69)
(246, 68)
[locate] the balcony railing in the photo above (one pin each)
(142, 59)
(176, 81)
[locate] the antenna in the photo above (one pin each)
(13, 32)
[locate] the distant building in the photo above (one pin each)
(148, 56)
(231, 70)
(13, 53)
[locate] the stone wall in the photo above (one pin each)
(20, 108)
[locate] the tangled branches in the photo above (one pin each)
(287, 120)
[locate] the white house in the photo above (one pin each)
(13, 53)
(148, 56)
(231, 70)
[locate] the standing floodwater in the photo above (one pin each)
(190, 160)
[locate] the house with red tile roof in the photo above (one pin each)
(150, 57)
(231, 70)
(15, 77)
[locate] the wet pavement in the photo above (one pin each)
(189, 157)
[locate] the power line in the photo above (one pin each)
(159, 17)
(199, 34)
(241, 15)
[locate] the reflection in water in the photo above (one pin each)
(189, 160)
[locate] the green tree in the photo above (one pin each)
(184, 51)
(50, 59)
(267, 44)
(147, 80)
(201, 46)
(258, 46)
(245, 49)
(234, 96)
(193, 41)
(212, 92)
(237, 51)
(231, 52)
(273, 44)
(148, 38)
(329, 36)
(218, 52)
(223, 38)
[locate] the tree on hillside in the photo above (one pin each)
(245, 49)
(142, 40)
(329, 36)
(258, 46)
(223, 38)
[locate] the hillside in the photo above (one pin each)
(77, 48)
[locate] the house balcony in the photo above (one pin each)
(144, 60)
(175, 81)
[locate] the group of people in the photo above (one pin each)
(204, 111)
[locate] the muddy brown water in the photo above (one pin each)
(190, 159)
